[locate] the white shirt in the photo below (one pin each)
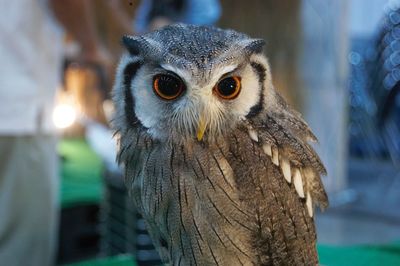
(30, 66)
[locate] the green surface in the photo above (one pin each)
(81, 172)
(121, 260)
(367, 255)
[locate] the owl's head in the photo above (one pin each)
(187, 82)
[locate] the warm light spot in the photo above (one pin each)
(64, 115)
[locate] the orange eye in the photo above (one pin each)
(167, 87)
(228, 88)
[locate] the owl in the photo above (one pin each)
(214, 159)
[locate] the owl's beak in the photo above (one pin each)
(201, 128)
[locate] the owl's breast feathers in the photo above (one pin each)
(247, 199)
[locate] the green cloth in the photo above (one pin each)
(121, 260)
(362, 255)
(81, 172)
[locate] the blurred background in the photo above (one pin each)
(336, 61)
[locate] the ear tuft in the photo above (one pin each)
(255, 46)
(132, 44)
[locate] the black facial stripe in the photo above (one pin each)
(129, 73)
(260, 70)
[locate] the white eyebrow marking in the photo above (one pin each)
(180, 72)
(222, 72)
(187, 76)
(227, 69)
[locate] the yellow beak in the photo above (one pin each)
(201, 128)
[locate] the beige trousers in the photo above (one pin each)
(29, 208)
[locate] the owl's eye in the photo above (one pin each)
(167, 87)
(228, 88)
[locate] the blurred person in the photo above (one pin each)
(154, 14)
(31, 53)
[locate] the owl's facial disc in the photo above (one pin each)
(179, 104)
